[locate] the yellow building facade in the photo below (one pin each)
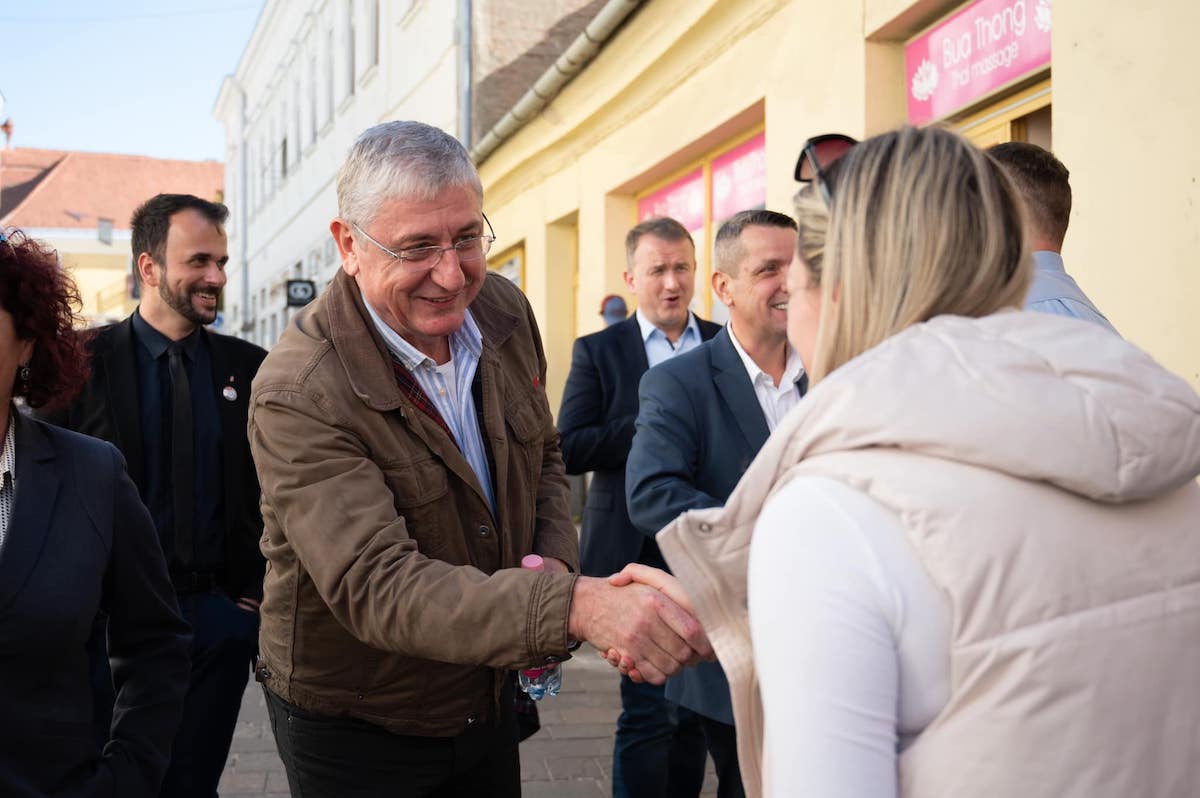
(693, 99)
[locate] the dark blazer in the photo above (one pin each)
(80, 541)
(108, 409)
(699, 428)
(599, 405)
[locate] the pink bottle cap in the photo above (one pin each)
(533, 562)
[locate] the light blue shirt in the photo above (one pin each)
(1055, 291)
(454, 401)
(658, 347)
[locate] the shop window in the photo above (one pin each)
(510, 264)
(1024, 116)
(729, 179)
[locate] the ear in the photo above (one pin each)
(146, 270)
(343, 236)
(629, 282)
(26, 354)
(720, 287)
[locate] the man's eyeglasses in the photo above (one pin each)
(819, 153)
(468, 250)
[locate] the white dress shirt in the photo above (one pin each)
(774, 400)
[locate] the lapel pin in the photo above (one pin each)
(229, 392)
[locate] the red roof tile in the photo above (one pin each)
(56, 189)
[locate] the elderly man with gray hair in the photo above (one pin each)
(408, 462)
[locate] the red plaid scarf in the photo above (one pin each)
(416, 395)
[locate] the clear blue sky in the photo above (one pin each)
(127, 76)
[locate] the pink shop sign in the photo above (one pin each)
(986, 45)
(739, 178)
(682, 200)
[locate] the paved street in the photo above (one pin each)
(571, 757)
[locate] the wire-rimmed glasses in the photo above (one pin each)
(468, 250)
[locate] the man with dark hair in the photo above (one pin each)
(703, 417)
(173, 397)
(659, 750)
(1044, 184)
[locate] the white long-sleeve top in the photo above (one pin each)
(851, 641)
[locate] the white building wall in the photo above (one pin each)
(307, 77)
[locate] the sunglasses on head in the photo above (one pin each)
(819, 153)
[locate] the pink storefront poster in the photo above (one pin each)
(986, 45)
(682, 200)
(739, 178)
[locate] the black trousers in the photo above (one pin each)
(721, 741)
(346, 758)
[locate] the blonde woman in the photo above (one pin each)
(975, 566)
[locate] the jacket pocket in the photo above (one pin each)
(416, 488)
(525, 421)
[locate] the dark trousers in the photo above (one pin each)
(722, 744)
(329, 757)
(224, 644)
(659, 747)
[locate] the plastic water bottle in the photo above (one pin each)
(539, 682)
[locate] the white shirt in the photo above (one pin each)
(8, 476)
(775, 401)
(851, 641)
(659, 347)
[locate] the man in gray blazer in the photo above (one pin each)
(704, 415)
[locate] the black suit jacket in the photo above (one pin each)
(600, 403)
(80, 541)
(108, 408)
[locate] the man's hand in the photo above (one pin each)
(659, 580)
(657, 635)
(655, 578)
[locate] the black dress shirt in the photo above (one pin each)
(154, 392)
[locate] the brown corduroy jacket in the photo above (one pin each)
(393, 593)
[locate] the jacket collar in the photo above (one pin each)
(633, 346)
(365, 356)
(120, 389)
(733, 381)
(37, 490)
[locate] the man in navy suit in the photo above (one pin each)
(704, 416)
(173, 397)
(657, 753)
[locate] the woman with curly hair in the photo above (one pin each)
(75, 540)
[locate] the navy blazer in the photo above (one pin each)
(599, 405)
(699, 428)
(81, 541)
(108, 408)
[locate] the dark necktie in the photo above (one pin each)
(183, 457)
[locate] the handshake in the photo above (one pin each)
(641, 621)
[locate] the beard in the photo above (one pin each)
(181, 303)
